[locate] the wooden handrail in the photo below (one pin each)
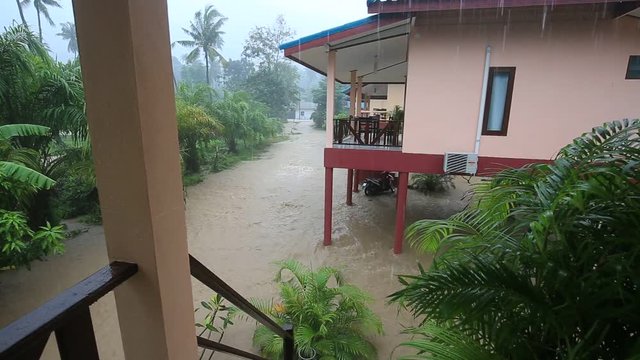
(65, 314)
(213, 282)
(216, 346)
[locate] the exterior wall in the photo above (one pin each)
(395, 96)
(570, 76)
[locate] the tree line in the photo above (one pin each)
(46, 166)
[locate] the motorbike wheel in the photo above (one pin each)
(368, 191)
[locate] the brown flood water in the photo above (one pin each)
(242, 220)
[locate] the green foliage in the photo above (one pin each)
(319, 94)
(398, 113)
(206, 37)
(219, 316)
(272, 79)
(195, 127)
(544, 262)
(19, 245)
(68, 33)
(328, 315)
(428, 183)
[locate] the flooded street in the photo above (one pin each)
(240, 222)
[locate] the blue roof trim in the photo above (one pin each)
(325, 33)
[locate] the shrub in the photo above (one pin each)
(427, 183)
(75, 195)
(332, 320)
(543, 264)
(19, 245)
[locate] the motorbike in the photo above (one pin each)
(377, 185)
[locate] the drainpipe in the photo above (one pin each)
(483, 98)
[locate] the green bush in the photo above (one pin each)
(330, 317)
(428, 183)
(75, 195)
(19, 245)
(543, 264)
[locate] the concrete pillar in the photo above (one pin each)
(359, 96)
(352, 93)
(328, 204)
(126, 66)
(350, 187)
(331, 90)
(401, 204)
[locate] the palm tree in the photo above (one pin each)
(543, 264)
(68, 32)
(42, 10)
(206, 37)
(24, 21)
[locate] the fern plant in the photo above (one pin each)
(330, 317)
(544, 264)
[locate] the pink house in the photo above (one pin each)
(488, 83)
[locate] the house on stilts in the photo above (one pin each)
(485, 84)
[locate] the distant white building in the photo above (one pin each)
(304, 110)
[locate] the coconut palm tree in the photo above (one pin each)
(20, 4)
(68, 32)
(543, 264)
(42, 9)
(206, 37)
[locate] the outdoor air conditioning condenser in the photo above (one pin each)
(460, 163)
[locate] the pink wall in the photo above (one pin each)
(569, 77)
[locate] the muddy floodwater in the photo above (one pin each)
(241, 221)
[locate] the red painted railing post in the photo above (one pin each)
(401, 202)
(350, 187)
(328, 204)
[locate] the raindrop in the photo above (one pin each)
(544, 19)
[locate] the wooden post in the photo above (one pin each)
(356, 180)
(401, 203)
(350, 187)
(125, 55)
(328, 204)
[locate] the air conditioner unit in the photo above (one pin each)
(460, 163)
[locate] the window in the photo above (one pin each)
(633, 69)
(498, 103)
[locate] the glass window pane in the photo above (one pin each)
(633, 71)
(498, 101)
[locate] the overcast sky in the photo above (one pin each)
(304, 16)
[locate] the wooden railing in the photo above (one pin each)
(367, 132)
(67, 315)
(213, 282)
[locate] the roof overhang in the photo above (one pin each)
(375, 47)
(403, 6)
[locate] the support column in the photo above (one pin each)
(328, 204)
(359, 96)
(401, 203)
(352, 93)
(331, 90)
(356, 180)
(126, 67)
(350, 187)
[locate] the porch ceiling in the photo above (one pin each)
(375, 47)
